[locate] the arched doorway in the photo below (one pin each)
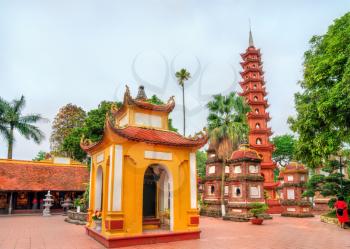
(98, 189)
(157, 211)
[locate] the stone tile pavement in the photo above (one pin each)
(36, 232)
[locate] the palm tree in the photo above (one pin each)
(182, 76)
(227, 126)
(11, 119)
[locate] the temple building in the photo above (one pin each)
(293, 184)
(143, 176)
(23, 184)
(245, 183)
(254, 91)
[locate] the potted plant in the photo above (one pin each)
(97, 218)
(77, 204)
(256, 209)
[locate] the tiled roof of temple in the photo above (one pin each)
(42, 176)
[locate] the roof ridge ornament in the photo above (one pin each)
(141, 95)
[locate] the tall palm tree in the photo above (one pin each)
(11, 119)
(227, 126)
(182, 76)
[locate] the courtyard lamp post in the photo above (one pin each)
(340, 158)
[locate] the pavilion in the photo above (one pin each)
(143, 176)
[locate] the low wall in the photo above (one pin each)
(76, 218)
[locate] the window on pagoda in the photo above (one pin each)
(290, 194)
(255, 98)
(257, 126)
(254, 75)
(255, 86)
(227, 169)
(258, 141)
(256, 111)
(211, 170)
(253, 169)
(302, 178)
(254, 65)
(211, 190)
(237, 170)
(236, 191)
(254, 192)
(226, 190)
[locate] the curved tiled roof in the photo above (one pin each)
(161, 137)
(18, 175)
(244, 152)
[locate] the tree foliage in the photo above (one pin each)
(329, 182)
(201, 158)
(182, 76)
(284, 149)
(227, 123)
(40, 156)
(68, 117)
(92, 128)
(227, 126)
(323, 117)
(11, 119)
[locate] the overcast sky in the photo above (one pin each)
(83, 52)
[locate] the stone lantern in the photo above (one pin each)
(246, 184)
(295, 176)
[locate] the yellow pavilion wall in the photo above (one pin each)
(134, 167)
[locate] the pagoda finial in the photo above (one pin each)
(141, 95)
(251, 41)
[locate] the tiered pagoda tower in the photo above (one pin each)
(254, 91)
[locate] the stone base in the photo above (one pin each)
(298, 215)
(76, 222)
(149, 238)
(236, 218)
(211, 211)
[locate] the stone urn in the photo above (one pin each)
(98, 225)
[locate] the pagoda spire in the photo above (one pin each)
(251, 41)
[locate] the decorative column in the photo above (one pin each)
(295, 176)
(212, 185)
(245, 183)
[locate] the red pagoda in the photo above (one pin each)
(254, 91)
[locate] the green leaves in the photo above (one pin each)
(11, 119)
(323, 117)
(284, 149)
(227, 122)
(182, 76)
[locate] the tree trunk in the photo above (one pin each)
(183, 108)
(223, 210)
(10, 144)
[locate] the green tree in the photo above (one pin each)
(323, 117)
(40, 156)
(201, 158)
(92, 128)
(182, 76)
(227, 126)
(330, 182)
(157, 101)
(284, 149)
(12, 119)
(68, 117)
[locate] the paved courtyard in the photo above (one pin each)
(36, 232)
